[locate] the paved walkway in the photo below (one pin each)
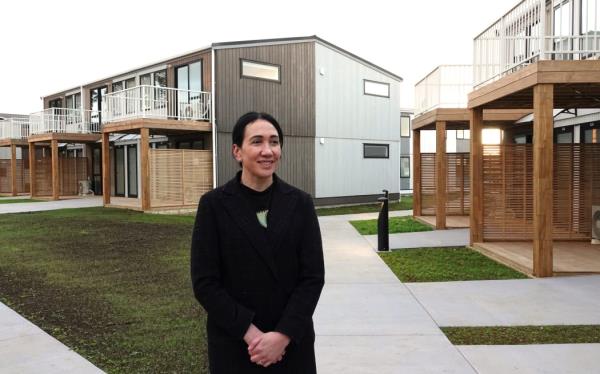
(367, 321)
(51, 205)
(436, 238)
(543, 301)
(25, 348)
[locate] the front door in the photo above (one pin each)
(126, 176)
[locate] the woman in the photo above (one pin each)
(257, 261)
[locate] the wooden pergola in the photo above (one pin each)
(543, 86)
(53, 139)
(145, 127)
(440, 120)
(13, 144)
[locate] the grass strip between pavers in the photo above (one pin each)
(16, 201)
(516, 335)
(445, 265)
(395, 225)
(113, 285)
(406, 203)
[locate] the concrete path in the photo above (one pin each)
(546, 359)
(51, 205)
(544, 301)
(25, 348)
(367, 321)
(436, 238)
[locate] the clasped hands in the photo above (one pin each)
(265, 348)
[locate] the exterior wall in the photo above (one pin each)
(345, 119)
(291, 102)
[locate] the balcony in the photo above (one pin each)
(537, 30)
(14, 128)
(446, 86)
(64, 121)
(156, 103)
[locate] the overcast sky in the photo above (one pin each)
(49, 46)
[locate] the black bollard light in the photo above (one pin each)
(383, 234)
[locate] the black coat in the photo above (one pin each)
(242, 274)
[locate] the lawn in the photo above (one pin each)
(15, 201)
(404, 204)
(114, 285)
(395, 225)
(444, 265)
(512, 335)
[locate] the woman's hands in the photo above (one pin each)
(265, 349)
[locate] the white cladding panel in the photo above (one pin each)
(341, 169)
(345, 119)
(342, 108)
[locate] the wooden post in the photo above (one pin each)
(476, 176)
(145, 166)
(55, 171)
(32, 169)
(543, 129)
(417, 173)
(88, 155)
(13, 169)
(105, 169)
(440, 176)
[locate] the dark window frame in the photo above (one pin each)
(387, 146)
(242, 76)
(408, 158)
(409, 126)
(370, 94)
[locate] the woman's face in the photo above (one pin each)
(260, 150)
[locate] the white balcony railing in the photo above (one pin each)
(14, 128)
(156, 102)
(446, 86)
(63, 120)
(537, 30)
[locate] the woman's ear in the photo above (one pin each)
(236, 150)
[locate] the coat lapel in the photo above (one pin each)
(246, 220)
(282, 206)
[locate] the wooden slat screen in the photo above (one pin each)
(179, 177)
(5, 175)
(457, 184)
(508, 191)
(428, 184)
(71, 171)
(22, 176)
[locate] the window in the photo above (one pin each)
(376, 88)
(404, 167)
(405, 127)
(260, 70)
(74, 101)
(463, 134)
(376, 150)
(57, 103)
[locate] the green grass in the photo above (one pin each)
(114, 285)
(15, 201)
(444, 265)
(404, 204)
(396, 225)
(514, 335)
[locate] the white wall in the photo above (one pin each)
(345, 119)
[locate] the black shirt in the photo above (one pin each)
(258, 201)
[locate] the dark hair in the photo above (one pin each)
(237, 135)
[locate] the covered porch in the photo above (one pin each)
(531, 203)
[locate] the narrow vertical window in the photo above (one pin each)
(404, 167)
(405, 127)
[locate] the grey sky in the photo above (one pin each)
(48, 46)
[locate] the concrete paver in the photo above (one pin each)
(545, 301)
(25, 348)
(436, 238)
(525, 359)
(51, 205)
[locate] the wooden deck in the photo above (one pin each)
(569, 257)
(452, 222)
(125, 203)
